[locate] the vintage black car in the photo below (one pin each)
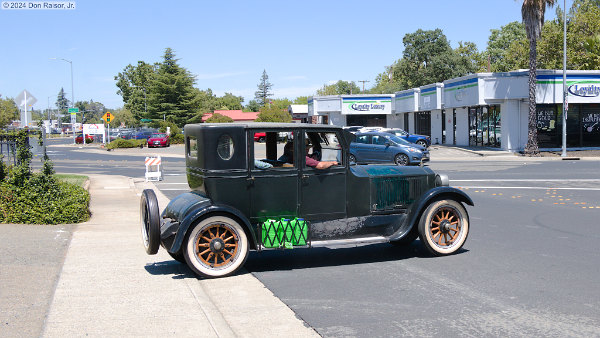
(247, 195)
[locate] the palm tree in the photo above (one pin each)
(533, 18)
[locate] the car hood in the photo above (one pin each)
(157, 139)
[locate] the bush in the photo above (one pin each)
(177, 138)
(43, 200)
(121, 143)
(39, 198)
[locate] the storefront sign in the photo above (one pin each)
(460, 93)
(584, 91)
(372, 105)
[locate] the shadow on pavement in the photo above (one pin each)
(323, 257)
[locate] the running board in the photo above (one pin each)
(366, 240)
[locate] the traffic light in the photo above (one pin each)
(108, 117)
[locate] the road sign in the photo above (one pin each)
(146, 120)
(107, 117)
(73, 110)
(73, 118)
(25, 95)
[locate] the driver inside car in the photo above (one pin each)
(288, 157)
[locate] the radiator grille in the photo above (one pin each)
(396, 192)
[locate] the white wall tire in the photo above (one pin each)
(444, 227)
(216, 247)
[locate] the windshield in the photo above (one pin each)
(399, 140)
(397, 132)
(158, 135)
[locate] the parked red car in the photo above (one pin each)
(260, 137)
(88, 138)
(158, 140)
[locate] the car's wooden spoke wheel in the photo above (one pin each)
(217, 245)
(444, 227)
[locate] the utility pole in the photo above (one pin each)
(363, 82)
(389, 69)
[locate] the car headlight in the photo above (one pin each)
(414, 150)
(442, 180)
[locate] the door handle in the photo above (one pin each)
(304, 176)
(250, 179)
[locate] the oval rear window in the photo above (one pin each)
(225, 147)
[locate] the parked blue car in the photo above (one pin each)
(142, 135)
(373, 147)
(422, 140)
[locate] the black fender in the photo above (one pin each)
(203, 211)
(416, 209)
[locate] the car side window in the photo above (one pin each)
(273, 150)
(323, 146)
(379, 140)
(362, 139)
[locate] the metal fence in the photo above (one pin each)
(8, 149)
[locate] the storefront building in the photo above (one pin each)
(351, 110)
(483, 109)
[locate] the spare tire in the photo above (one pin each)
(150, 221)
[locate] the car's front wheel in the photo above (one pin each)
(401, 159)
(444, 227)
(216, 247)
(261, 140)
(422, 143)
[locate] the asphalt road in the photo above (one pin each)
(528, 268)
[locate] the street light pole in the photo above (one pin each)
(72, 94)
(564, 117)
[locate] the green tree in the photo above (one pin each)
(8, 111)
(219, 118)
(592, 47)
(533, 12)
(253, 106)
(301, 100)
(273, 114)
(230, 101)
(429, 58)
(339, 88)
(134, 84)
(498, 45)
(123, 116)
(62, 103)
(262, 96)
(172, 94)
(281, 103)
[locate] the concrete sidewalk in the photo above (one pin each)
(109, 287)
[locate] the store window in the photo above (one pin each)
(590, 119)
(423, 123)
(546, 123)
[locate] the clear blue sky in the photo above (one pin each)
(227, 44)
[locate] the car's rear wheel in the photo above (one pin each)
(351, 158)
(401, 159)
(261, 140)
(422, 143)
(216, 247)
(444, 227)
(150, 221)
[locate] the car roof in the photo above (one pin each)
(266, 125)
